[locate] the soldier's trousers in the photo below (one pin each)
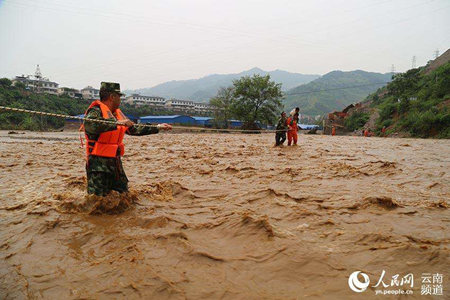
(280, 137)
(102, 182)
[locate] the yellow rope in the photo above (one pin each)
(142, 125)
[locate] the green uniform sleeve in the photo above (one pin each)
(141, 130)
(95, 128)
(281, 124)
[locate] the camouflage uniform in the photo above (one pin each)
(280, 136)
(105, 173)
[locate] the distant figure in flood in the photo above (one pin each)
(292, 129)
(295, 111)
(104, 141)
(367, 133)
(280, 135)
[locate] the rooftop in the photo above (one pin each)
(163, 117)
(202, 118)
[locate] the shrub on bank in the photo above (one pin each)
(414, 102)
(356, 120)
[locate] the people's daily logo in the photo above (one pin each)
(396, 284)
(355, 284)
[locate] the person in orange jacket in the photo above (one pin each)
(292, 129)
(383, 131)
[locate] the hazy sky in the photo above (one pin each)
(143, 43)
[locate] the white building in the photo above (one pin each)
(202, 107)
(183, 105)
(40, 85)
(90, 93)
(172, 104)
(73, 93)
(154, 101)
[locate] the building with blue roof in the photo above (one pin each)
(203, 121)
(307, 126)
(239, 124)
(175, 119)
(132, 118)
(75, 120)
(235, 123)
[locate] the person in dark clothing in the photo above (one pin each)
(280, 136)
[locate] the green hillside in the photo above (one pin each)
(19, 97)
(342, 89)
(416, 103)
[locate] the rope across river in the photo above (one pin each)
(63, 116)
(147, 125)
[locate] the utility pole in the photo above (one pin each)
(392, 69)
(38, 77)
(413, 65)
(436, 53)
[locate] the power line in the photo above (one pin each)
(127, 17)
(142, 19)
(339, 88)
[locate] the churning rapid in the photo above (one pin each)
(221, 216)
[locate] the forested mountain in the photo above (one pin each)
(334, 91)
(416, 103)
(203, 89)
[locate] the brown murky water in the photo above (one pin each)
(224, 216)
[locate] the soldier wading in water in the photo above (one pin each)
(104, 142)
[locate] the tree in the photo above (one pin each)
(356, 120)
(222, 104)
(404, 105)
(20, 85)
(404, 84)
(5, 82)
(256, 98)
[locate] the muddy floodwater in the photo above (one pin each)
(225, 216)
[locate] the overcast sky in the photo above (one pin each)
(144, 43)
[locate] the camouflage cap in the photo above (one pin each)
(111, 87)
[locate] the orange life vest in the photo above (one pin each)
(366, 133)
(108, 142)
(292, 124)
